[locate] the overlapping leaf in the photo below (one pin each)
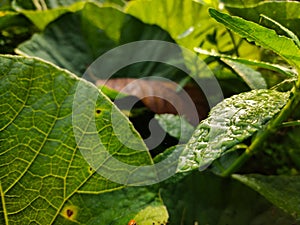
(91, 32)
(285, 12)
(189, 24)
(230, 123)
(262, 36)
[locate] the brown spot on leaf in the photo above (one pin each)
(69, 212)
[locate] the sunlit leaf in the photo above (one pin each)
(42, 164)
(229, 123)
(262, 36)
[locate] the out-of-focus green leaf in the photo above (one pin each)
(73, 50)
(229, 123)
(189, 25)
(176, 126)
(41, 18)
(200, 198)
(42, 164)
(282, 191)
(265, 65)
(252, 78)
(42, 13)
(285, 12)
(54, 4)
(14, 29)
(91, 32)
(262, 36)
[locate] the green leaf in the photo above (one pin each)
(152, 215)
(117, 207)
(176, 126)
(91, 32)
(74, 50)
(208, 199)
(282, 191)
(273, 67)
(189, 24)
(285, 12)
(286, 30)
(42, 164)
(252, 78)
(229, 123)
(54, 4)
(262, 36)
(41, 18)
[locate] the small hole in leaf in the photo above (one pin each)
(98, 111)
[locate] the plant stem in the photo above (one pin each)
(269, 129)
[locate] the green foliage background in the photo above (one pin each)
(251, 158)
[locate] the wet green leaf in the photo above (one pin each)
(229, 123)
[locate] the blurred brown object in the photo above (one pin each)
(163, 96)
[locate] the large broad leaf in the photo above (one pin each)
(73, 50)
(44, 12)
(285, 12)
(41, 18)
(42, 165)
(229, 123)
(262, 36)
(53, 4)
(189, 25)
(202, 198)
(91, 32)
(117, 207)
(282, 191)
